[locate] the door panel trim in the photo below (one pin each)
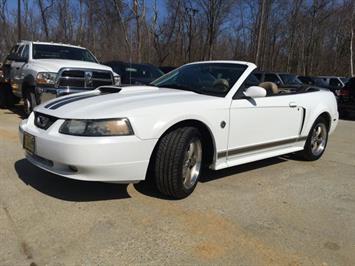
(226, 153)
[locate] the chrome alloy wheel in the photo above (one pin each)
(319, 139)
(192, 163)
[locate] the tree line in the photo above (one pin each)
(310, 37)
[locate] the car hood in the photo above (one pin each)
(54, 65)
(124, 102)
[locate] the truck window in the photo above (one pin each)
(45, 51)
(20, 49)
(26, 52)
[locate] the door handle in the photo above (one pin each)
(292, 104)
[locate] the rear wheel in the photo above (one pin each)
(316, 141)
(178, 162)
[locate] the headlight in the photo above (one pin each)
(117, 80)
(46, 78)
(101, 127)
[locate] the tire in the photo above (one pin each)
(316, 141)
(29, 101)
(178, 162)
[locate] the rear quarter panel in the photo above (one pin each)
(315, 104)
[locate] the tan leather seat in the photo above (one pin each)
(270, 87)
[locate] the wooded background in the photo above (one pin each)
(311, 37)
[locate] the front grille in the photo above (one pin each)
(44, 121)
(84, 78)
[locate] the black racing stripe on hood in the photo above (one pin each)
(56, 106)
(62, 100)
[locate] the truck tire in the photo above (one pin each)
(178, 162)
(29, 100)
(316, 141)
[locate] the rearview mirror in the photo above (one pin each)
(255, 92)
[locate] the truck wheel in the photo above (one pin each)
(316, 141)
(178, 162)
(29, 101)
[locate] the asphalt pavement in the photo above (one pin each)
(279, 211)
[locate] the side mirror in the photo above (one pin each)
(255, 92)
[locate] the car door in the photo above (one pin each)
(261, 124)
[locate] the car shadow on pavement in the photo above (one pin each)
(148, 187)
(17, 109)
(211, 175)
(65, 188)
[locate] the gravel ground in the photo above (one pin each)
(273, 212)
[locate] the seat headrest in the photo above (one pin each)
(270, 87)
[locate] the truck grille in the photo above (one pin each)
(84, 78)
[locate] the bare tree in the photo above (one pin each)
(215, 11)
(43, 9)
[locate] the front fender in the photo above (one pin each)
(148, 127)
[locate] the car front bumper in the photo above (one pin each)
(122, 159)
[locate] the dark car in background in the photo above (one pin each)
(346, 98)
(7, 99)
(134, 74)
(334, 83)
(314, 81)
(167, 69)
(283, 80)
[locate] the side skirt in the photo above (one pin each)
(258, 152)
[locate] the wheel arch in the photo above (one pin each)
(28, 81)
(311, 120)
(327, 118)
(208, 139)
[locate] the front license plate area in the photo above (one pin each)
(29, 142)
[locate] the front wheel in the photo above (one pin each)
(178, 162)
(29, 101)
(316, 141)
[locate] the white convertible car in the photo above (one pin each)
(205, 114)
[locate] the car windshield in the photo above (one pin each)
(205, 78)
(44, 51)
(290, 79)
